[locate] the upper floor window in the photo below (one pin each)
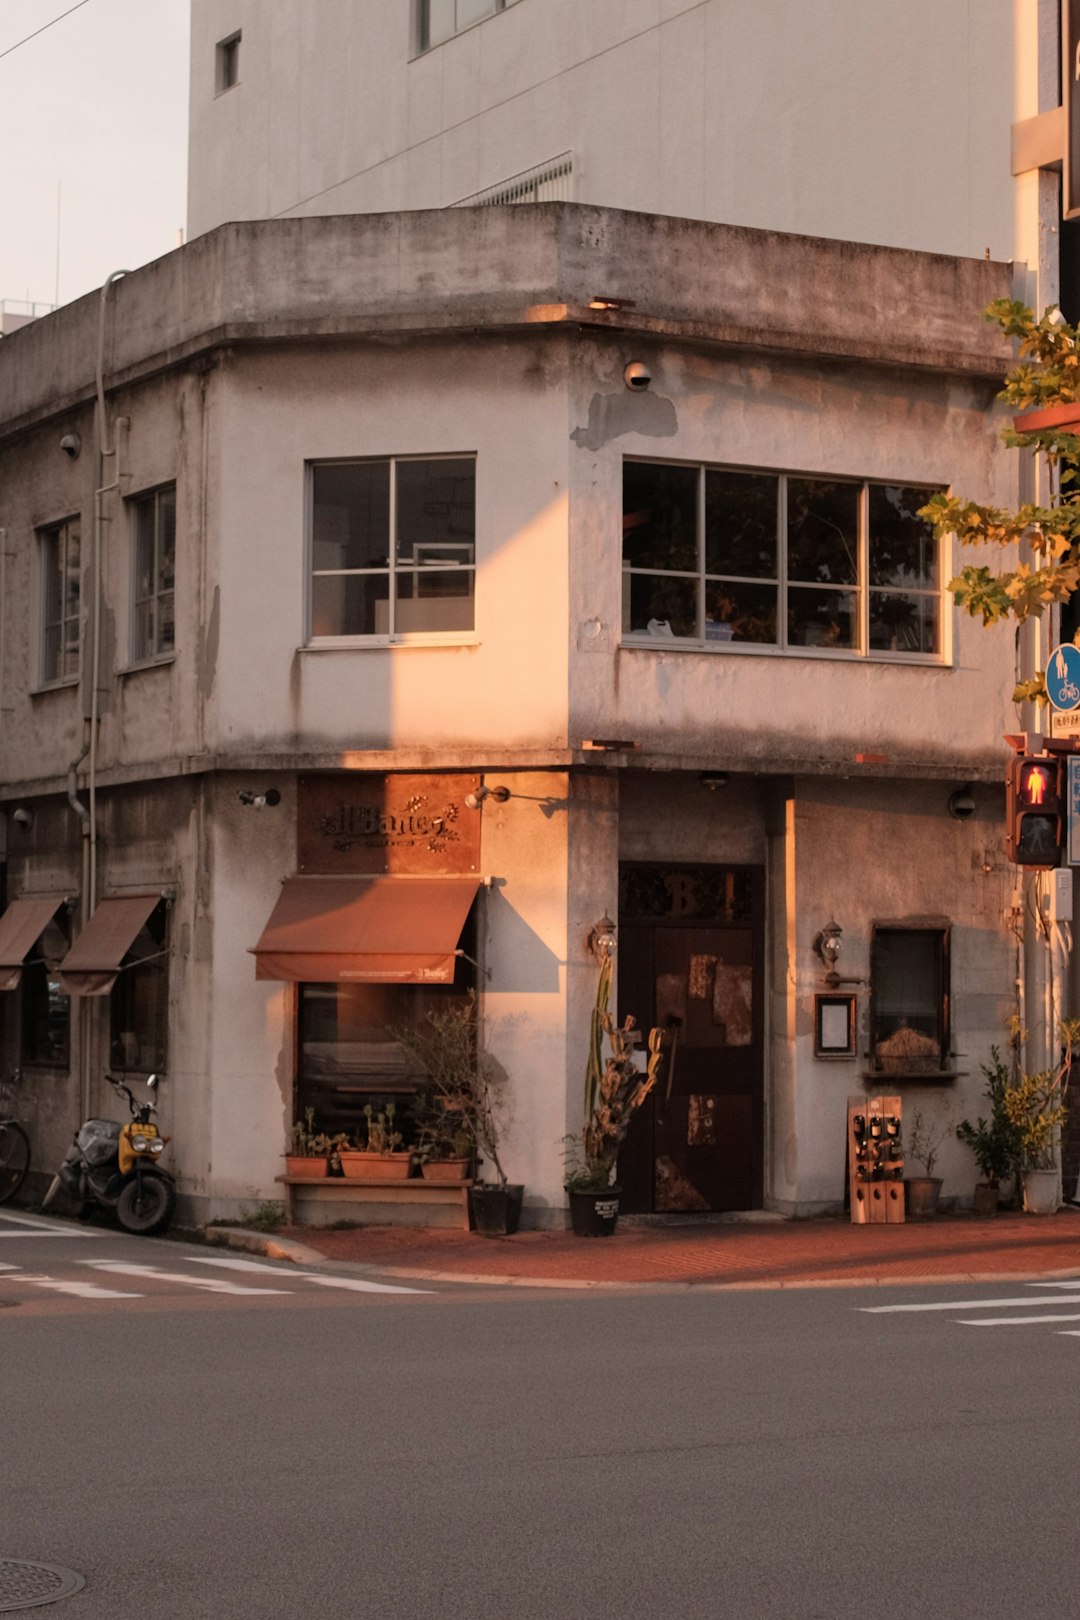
(59, 551)
(392, 548)
(715, 556)
(441, 19)
(227, 63)
(154, 618)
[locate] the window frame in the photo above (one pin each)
(34, 970)
(942, 929)
(393, 637)
(160, 919)
(48, 535)
(861, 652)
(141, 658)
(422, 24)
(227, 62)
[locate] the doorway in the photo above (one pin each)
(691, 962)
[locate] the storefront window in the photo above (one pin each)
(140, 1001)
(909, 990)
(46, 1010)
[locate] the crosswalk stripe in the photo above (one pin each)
(43, 1228)
(357, 1285)
(973, 1304)
(1016, 1321)
(213, 1285)
(82, 1290)
(5, 1267)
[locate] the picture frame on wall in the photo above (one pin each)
(834, 1025)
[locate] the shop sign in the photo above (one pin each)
(355, 822)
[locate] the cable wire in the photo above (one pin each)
(43, 27)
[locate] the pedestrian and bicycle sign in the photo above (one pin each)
(1063, 690)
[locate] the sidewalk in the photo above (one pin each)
(752, 1254)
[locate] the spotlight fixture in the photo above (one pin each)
(714, 779)
(259, 801)
(473, 801)
(601, 939)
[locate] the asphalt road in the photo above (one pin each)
(533, 1455)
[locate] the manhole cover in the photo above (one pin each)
(25, 1586)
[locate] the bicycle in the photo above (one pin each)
(14, 1143)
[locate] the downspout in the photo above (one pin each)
(84, 868)
(105, 452)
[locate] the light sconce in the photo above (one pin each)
(260, 801)
(473, 801)
(23, 818)
(828, 943)
(601, 939)
(714, 779)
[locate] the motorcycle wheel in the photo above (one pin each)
(14, 1158)
(146, 1207)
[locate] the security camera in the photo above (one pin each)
(71, 444)
(962, 804)
(637, 376)
(23, 818)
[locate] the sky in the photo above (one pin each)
(97, 106)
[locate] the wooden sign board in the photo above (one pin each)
(356, 822)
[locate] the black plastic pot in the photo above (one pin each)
(594, 1214)
(495, 1211)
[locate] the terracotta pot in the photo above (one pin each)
(301, 1165)
(986, 1199)
(445, 1170)
(1040, 1191)
(922, 1196)
(375, 1166)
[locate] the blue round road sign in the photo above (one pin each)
(1063, 677)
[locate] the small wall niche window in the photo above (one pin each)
(46, 1010)
(438, 20)
(393, 550)
(227, 63)
(717, 557)
(59, 551)
(909, 999)
(139, 1000)
(153, 632)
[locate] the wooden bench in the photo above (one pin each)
(306, 1196)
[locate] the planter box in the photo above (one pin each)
(375, 1166)
(303, 1168)
(445, 1170)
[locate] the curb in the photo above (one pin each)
(240, 1237)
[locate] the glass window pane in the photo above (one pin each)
(436, 512)
(903, 550)
(823, 531)
(657, 605)
(50, 653)
(738, 612)
(436, 21)
(144, 629)
(350, 605)
(660, 516)
(140, 1001)
(166, 539)
(741, 524)
(351, 515)
(900, 623)
(907, 984)
(470, 11)
(50, 576)
(166, 625)
(432, 600)
(819, 618)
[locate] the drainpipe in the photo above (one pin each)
(84, 867)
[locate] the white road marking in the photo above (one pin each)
(356, 1285)
(214, 1285)
(42, 1228)
(5, 1267)
(1016, 1321)
(82, 1290)
(975, 1304)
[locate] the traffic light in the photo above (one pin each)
(1033, 808)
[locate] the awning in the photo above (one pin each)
(22, 924)
(365, 930)
(91, 965)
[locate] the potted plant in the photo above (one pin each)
(994, 1142)
(923, 1145)
(1035, 1106)
(309, 1155)
(615, 1088)
(379, 1159)
(469, 1090)
(445, 1146)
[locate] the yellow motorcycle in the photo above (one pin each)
(119, 1167)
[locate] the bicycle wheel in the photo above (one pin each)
(14, 1158)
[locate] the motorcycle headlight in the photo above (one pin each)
(157, 1145)
(140, 1143)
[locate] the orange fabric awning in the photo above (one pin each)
(365, 930)
(91, 965)
(22, 924)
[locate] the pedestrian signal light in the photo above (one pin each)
(1034, 811)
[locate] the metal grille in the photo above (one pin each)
(27, 1586)
(548, 182)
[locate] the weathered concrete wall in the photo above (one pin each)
(781, 115)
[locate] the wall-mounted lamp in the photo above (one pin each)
(473, 801)
(828, 943)
(260, 801)
(23, 818)
(714, 779)
(601, 939)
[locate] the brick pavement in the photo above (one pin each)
(733, 1254)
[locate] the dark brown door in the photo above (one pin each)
(694, 969)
